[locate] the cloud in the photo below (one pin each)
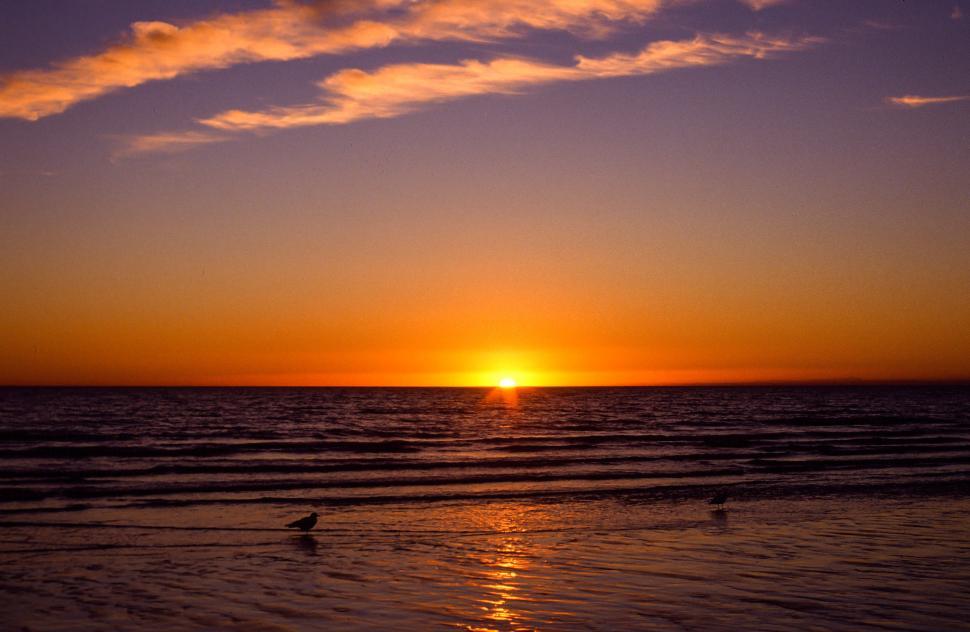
(167, 142)
(158, 50)
(478, 19)
(292, 30)
(915, 101)
(352, 94)
(758, 5)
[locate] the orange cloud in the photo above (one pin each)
(353, 94)
(158, 50)
(915, 101)
(758, 5)
(476, 19)
(168, 142)
(290, 30)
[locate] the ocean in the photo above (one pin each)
(480, 509)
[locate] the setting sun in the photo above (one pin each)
(507, 382)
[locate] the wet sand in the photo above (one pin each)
(827, 563)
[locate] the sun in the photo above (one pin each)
(507, 382)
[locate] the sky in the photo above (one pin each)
(452, 192)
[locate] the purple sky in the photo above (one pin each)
(624, 192)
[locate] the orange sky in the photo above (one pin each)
(590, 307)
(585, 193)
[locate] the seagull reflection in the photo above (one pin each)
(306, 543)
(719, 518)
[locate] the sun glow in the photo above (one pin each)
(507, 382)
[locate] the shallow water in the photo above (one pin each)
(505, 565)
(458, 508)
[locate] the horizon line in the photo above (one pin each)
(737, 384)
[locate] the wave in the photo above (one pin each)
(199, 445)
(126, 446)
(206, 449)
(753, 469)
(746, 491)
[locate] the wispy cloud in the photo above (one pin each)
(758, 5)
(352, 94)
(159, 50)
(167, 142)
(292, 30)
(915, 101)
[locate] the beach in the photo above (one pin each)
(826, 563)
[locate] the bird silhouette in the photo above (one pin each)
(304, 524)
(719, 499)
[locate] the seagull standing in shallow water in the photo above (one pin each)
(304, 524)
(719, 499)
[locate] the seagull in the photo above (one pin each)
(304, 524)
(719, 499)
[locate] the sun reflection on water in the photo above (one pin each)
(509, 397)
(504, 562)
